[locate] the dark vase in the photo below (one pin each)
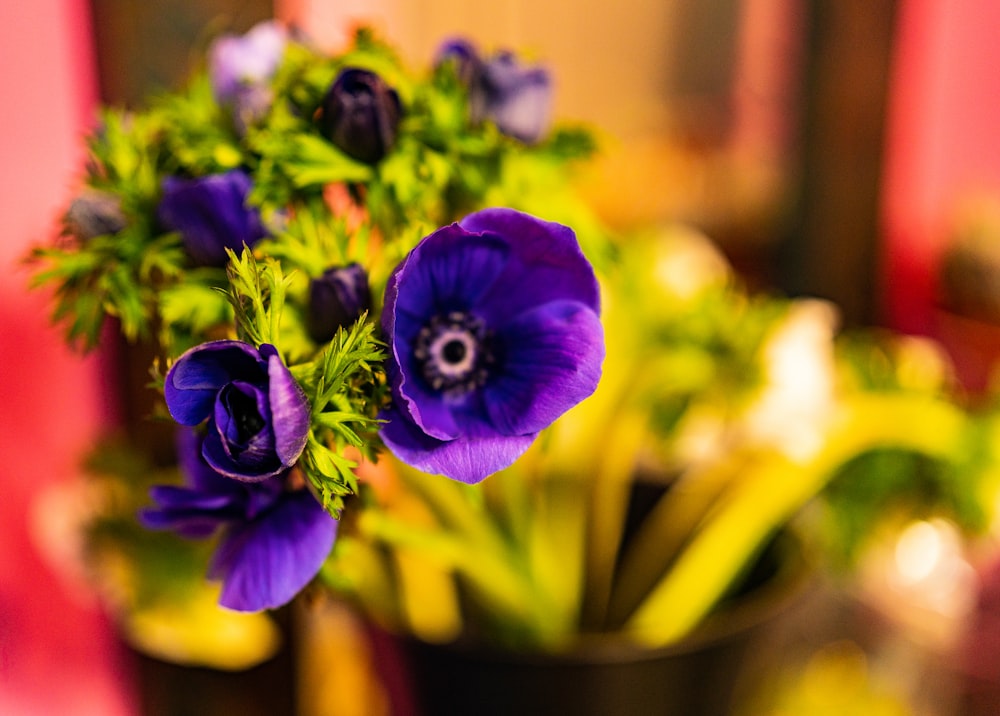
(166, 689)
(701, 676)
(163, 688)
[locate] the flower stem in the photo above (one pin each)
(775, 488)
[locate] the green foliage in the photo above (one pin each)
(890, 484)
(314, 239)
(346, 388)
(344, 382)
(257, 295)
(442, 167)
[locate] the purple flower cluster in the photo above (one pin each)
(238, 472)
(493, 332)
(492, 325)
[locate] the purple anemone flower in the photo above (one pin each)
(360, 114)
(516, 98)
(493, 330)
(275, 536)
(337, 299)
(258, 416)
(211, 214)
(240, 70)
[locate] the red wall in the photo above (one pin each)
(57, 654)
(943, 141)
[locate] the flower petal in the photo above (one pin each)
(447, 271)
(337, 299)
(254, 464)
(289, 408)
(234, 62)
(468, 459)
(190, 513)
(197, 473)
(545, 264)
(552, 361)
(266, 562)
(518, 99)
(194, 380)
(241, 415)
(360, 114)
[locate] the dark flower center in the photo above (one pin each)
(454, 353)
(243, 409)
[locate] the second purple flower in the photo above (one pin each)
(258, 416)
(211, 214)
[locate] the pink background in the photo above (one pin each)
(943, 142)
(57, 653)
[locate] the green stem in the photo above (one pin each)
(471, 542)
(664, 532)
(609, 504)
(772, 492)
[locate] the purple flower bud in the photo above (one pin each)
(360, 115)
(211, 214)
(258, 416)
(493, 332)
(517, 99)
(337, 299)
(240, 70)
(463, 55)
(95, 213)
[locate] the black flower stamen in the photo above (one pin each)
(454, 353)
(243, 408)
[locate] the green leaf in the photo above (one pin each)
(196, 308)
(314, 161)
(346, 388)
(257, 294)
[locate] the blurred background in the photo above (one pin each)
(844, 149)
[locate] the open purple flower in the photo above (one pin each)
(240, 70)
(360, 114)
(258, 416)
(275, 536)
(211, 214)
(337, 299)
(493, 330)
